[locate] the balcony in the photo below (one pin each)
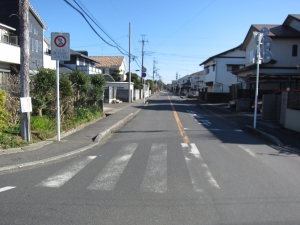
(89, 69)
(9, 53)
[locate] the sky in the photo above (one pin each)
(178, 34)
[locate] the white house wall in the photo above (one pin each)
(9, 53)
(295, 24)
(225, 78)
(220, 77)
(281, 49)
(282, 52)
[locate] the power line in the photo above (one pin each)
(124, 52)
(97, 23)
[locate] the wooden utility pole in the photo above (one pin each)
(24, 70)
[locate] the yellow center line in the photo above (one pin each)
(180, 127)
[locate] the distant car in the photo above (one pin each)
(193, 92)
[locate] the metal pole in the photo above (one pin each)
(258, 37)
(144, 89)
(129, 73)
(57, 101)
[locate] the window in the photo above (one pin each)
(3, 77)
(234, 67)
(207, 70)
(31, 44)
(5, 38)
(36, 45)
(251, 56)
(295, 50)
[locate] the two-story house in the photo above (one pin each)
(79, 60)
(9, 51)
(281, 72)
(110, 64)
(9, 11)
(184, 84)
(218, 69)
(197, 80)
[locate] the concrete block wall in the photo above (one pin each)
(271, 107)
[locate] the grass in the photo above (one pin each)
(44, 127)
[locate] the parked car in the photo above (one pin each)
(193, 92)
(259, 105)
(260, 100)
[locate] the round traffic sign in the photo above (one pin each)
(60, 41)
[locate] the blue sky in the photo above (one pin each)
(179, 34)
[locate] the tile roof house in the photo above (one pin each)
(79, 60)
(218, 69)
(281, 72)
(109, 64)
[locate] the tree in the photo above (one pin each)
(44, 85)
(151, 84)
(136, 80)
(116, 75)
(98, 82)
(65, 95)
(80, 84)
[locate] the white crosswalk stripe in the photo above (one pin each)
(155, 179)
(65, 174)
(108, 177)
(195, 164)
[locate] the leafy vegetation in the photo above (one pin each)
(136, 79)
(79, 96)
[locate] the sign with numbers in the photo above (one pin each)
(60, 46)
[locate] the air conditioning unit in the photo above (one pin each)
(13, 40)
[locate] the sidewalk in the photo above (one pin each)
(73, 142)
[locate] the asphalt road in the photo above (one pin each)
(174, 163)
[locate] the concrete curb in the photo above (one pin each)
(258, 132)
(101, 136)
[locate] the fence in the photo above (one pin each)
(294, 100)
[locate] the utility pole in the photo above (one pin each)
(129, 72)
(154, 68)
(24, 70)
(143, 70)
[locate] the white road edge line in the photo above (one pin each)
(6, 188)
(192, 149)
(209, 175)
(247, 150)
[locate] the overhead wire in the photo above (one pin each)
(97, 24)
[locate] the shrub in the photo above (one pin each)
(3, 112)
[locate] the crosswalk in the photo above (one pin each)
(205, 122)
(155, 178)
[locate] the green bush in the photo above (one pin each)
(3, 112)
(43, 127)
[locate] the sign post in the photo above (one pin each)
(263, 55)
(144, 77)
(60, 51)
